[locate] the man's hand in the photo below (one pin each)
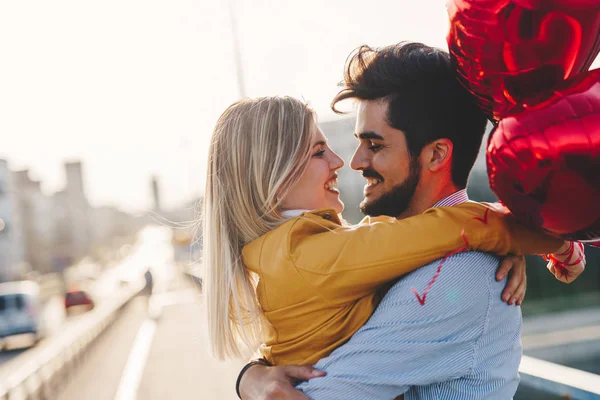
(271, 383)
(568, 263)
(514, 267)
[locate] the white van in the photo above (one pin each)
(20, 309)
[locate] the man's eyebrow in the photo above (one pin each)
(368, 135)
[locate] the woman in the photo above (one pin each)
(281, 268)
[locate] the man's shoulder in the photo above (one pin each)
(463, 280)
(455, 269)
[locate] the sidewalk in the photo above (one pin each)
(178, 364)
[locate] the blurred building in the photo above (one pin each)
(12, 246)
(156, 194)
(183, 221)
(70, 210)
(48, 233)
(187, 236)
(78, 210)
(111, 226)
(55, 228)
(85, 230)
(37, 222)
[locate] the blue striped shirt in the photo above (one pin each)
(463, 343)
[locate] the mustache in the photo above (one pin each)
(369, 173)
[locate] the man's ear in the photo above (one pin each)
(439, 154)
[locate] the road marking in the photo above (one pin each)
(132, 375)
(158, 301)
(178, 297)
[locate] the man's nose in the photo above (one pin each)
(359, 161)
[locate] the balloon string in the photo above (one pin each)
(568, 256)
(420, 299)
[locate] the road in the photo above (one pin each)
(155, 349)
(157, 353)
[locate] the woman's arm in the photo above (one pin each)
(350, 262)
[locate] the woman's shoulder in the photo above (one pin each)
(292, 230)
(372, 220)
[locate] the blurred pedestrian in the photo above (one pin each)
(149, 279)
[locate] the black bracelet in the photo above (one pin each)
(260, 361)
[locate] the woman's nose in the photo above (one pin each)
(337, 162)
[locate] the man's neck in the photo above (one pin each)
(421, 203)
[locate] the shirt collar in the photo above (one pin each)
(287, 214)
(458, 197)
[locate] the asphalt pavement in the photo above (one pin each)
(156, 349)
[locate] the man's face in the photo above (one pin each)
(384, 160)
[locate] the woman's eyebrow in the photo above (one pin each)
(320, 143)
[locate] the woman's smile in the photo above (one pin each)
(332, 184)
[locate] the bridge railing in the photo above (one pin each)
(39, 373)
(559, 380)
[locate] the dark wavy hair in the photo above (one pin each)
(425, 99)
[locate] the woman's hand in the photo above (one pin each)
(269, 383)
(515, 267)
(568, 262)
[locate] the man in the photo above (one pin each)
(443, 331)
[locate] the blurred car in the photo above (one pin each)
(78, 299)
(20, 309)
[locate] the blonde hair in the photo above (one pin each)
(258, 150)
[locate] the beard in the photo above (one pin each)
(396, 201)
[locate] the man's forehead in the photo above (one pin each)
(371, 117)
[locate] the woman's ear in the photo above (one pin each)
(440, 154)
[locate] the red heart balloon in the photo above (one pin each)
(511, 52)
(544, 161)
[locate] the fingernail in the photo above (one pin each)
(506, 296)
(316, 372)
(500, 277)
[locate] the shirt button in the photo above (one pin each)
(327, 216)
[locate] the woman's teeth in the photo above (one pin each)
(332, 185)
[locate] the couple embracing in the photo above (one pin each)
(418, 300)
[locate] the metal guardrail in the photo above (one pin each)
(50, 285)
(41, 373)
(559, 380)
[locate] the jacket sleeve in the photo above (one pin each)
(347, 263)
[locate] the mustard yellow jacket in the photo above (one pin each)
(320, 281)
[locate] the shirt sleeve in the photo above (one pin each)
(406, 343)
(355, 261)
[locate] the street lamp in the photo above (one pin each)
(237, 58)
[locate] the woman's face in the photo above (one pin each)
(317, 188)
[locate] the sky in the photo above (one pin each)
(133, 88)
